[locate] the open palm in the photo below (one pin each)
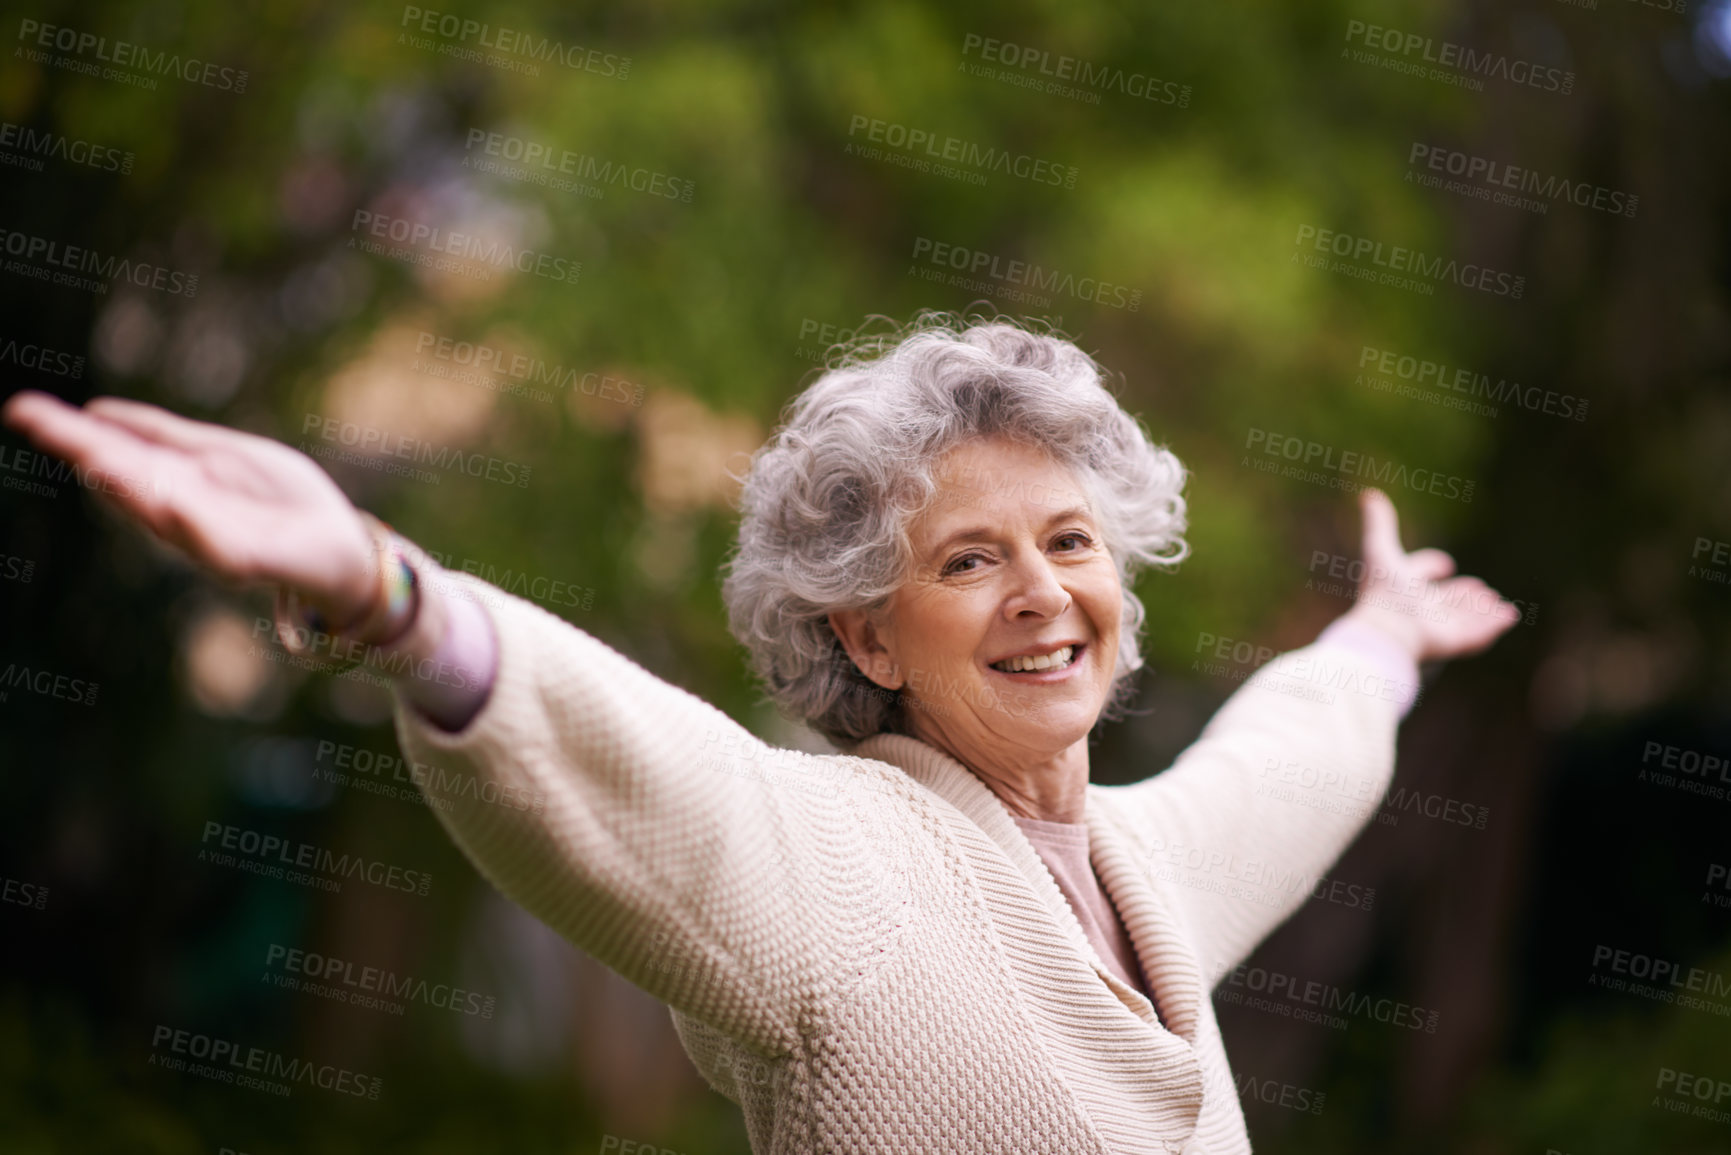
(245, 507)
(1414, 598)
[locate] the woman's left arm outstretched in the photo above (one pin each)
(1247, 821)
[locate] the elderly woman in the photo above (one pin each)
(942, 939)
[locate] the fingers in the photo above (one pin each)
(136, 475)
(26, 407)
(107, 459)
(1480, 617)
(1477, 635)
(1382, 548)
(1505, 613)
(61, 429)
(65, 430)
(68, 433)
(157, 424)
(1430, 564)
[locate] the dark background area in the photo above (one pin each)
(732, 223)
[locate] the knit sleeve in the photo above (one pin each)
(1245, 825)
(729, 879)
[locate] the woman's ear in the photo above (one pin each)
(861, 639)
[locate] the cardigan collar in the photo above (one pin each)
(1023, 897)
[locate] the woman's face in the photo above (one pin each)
(1009, 563)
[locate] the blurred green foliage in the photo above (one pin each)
(728, 300)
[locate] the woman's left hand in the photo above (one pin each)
(1413, 597)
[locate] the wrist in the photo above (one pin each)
(387, 610)
(1387, 655)
(346, 607)
(351, 597)
(1399, 630)
(425, 632)
(454, 681)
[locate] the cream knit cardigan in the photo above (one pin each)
(862, 950)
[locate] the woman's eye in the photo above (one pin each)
(955, 566)
(1081, 539)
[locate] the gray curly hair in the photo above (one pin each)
(828, 501)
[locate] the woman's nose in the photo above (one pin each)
(1035, 589)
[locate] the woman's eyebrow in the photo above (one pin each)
(975, 533)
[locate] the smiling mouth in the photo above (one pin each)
(1056, 660)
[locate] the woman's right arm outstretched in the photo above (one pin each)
(736, 882)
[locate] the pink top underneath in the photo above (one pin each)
(1063, 847)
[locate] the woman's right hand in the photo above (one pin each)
(245, 507)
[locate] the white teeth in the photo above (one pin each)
(1057, 659)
